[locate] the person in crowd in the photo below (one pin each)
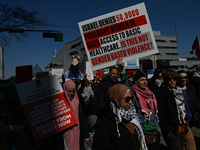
(95, 88)
(156, 81)
(111, 80)
(191, 105)
(87, 93)
(146, 105)
(171, 111)
(130, 79)
(73, 71)
(118, 126)
(196, 81)
(75, 136)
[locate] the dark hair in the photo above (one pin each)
(75, 57)
(111, 68)
(156, 74)
(169, 73)
(181, 71)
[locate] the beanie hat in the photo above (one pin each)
(138, 75)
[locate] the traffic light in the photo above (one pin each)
(57, 36)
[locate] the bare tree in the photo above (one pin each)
(17, 18)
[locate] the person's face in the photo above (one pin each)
(142, 83)
(183, 78)
(75, 61)
(126, 101)
(70, 93)
(160, 76)
(86, 82)
(114, 74)
(171, 82)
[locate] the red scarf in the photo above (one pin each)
(147, 100)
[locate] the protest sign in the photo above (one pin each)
(124, 33)
(45, 106)
(149, 73)
(133, 64)
(89, 71)
(58, 72)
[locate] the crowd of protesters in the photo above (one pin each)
(133, 113)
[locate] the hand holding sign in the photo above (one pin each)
(121, 64)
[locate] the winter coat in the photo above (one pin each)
(153, 118)
(153, 86)
(106, 135)
(194, 101)
(196, 82)
(57, 141)
(104, 87)
(167, 111)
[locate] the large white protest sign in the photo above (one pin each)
(46, 108)
(124, 33)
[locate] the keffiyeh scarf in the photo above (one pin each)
(180, 103)
(159, 82)
(131, 116)
(197, 74)
(147, 101)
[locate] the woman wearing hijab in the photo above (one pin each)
(118, 127)
(74, 136)
(146, 106)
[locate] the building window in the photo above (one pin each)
(172, 41)
(76, 45)
(161, 41)
(165, 47)
(171, 53)
(74, 53)
(82, 49)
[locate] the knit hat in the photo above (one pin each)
(138, 75)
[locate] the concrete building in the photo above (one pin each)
(64, 57)
(166, 58)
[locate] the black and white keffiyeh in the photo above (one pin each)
(180, 103)
(196, 74)
(158, 82)
(131, 116)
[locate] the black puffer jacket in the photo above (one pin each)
(106, 135)
(104, 87)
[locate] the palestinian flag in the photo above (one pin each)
(196, 47)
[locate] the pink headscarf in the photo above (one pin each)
(72, 136)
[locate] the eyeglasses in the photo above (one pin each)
(127, 99)
(183, 77)
(169, 79)
(159, 77)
